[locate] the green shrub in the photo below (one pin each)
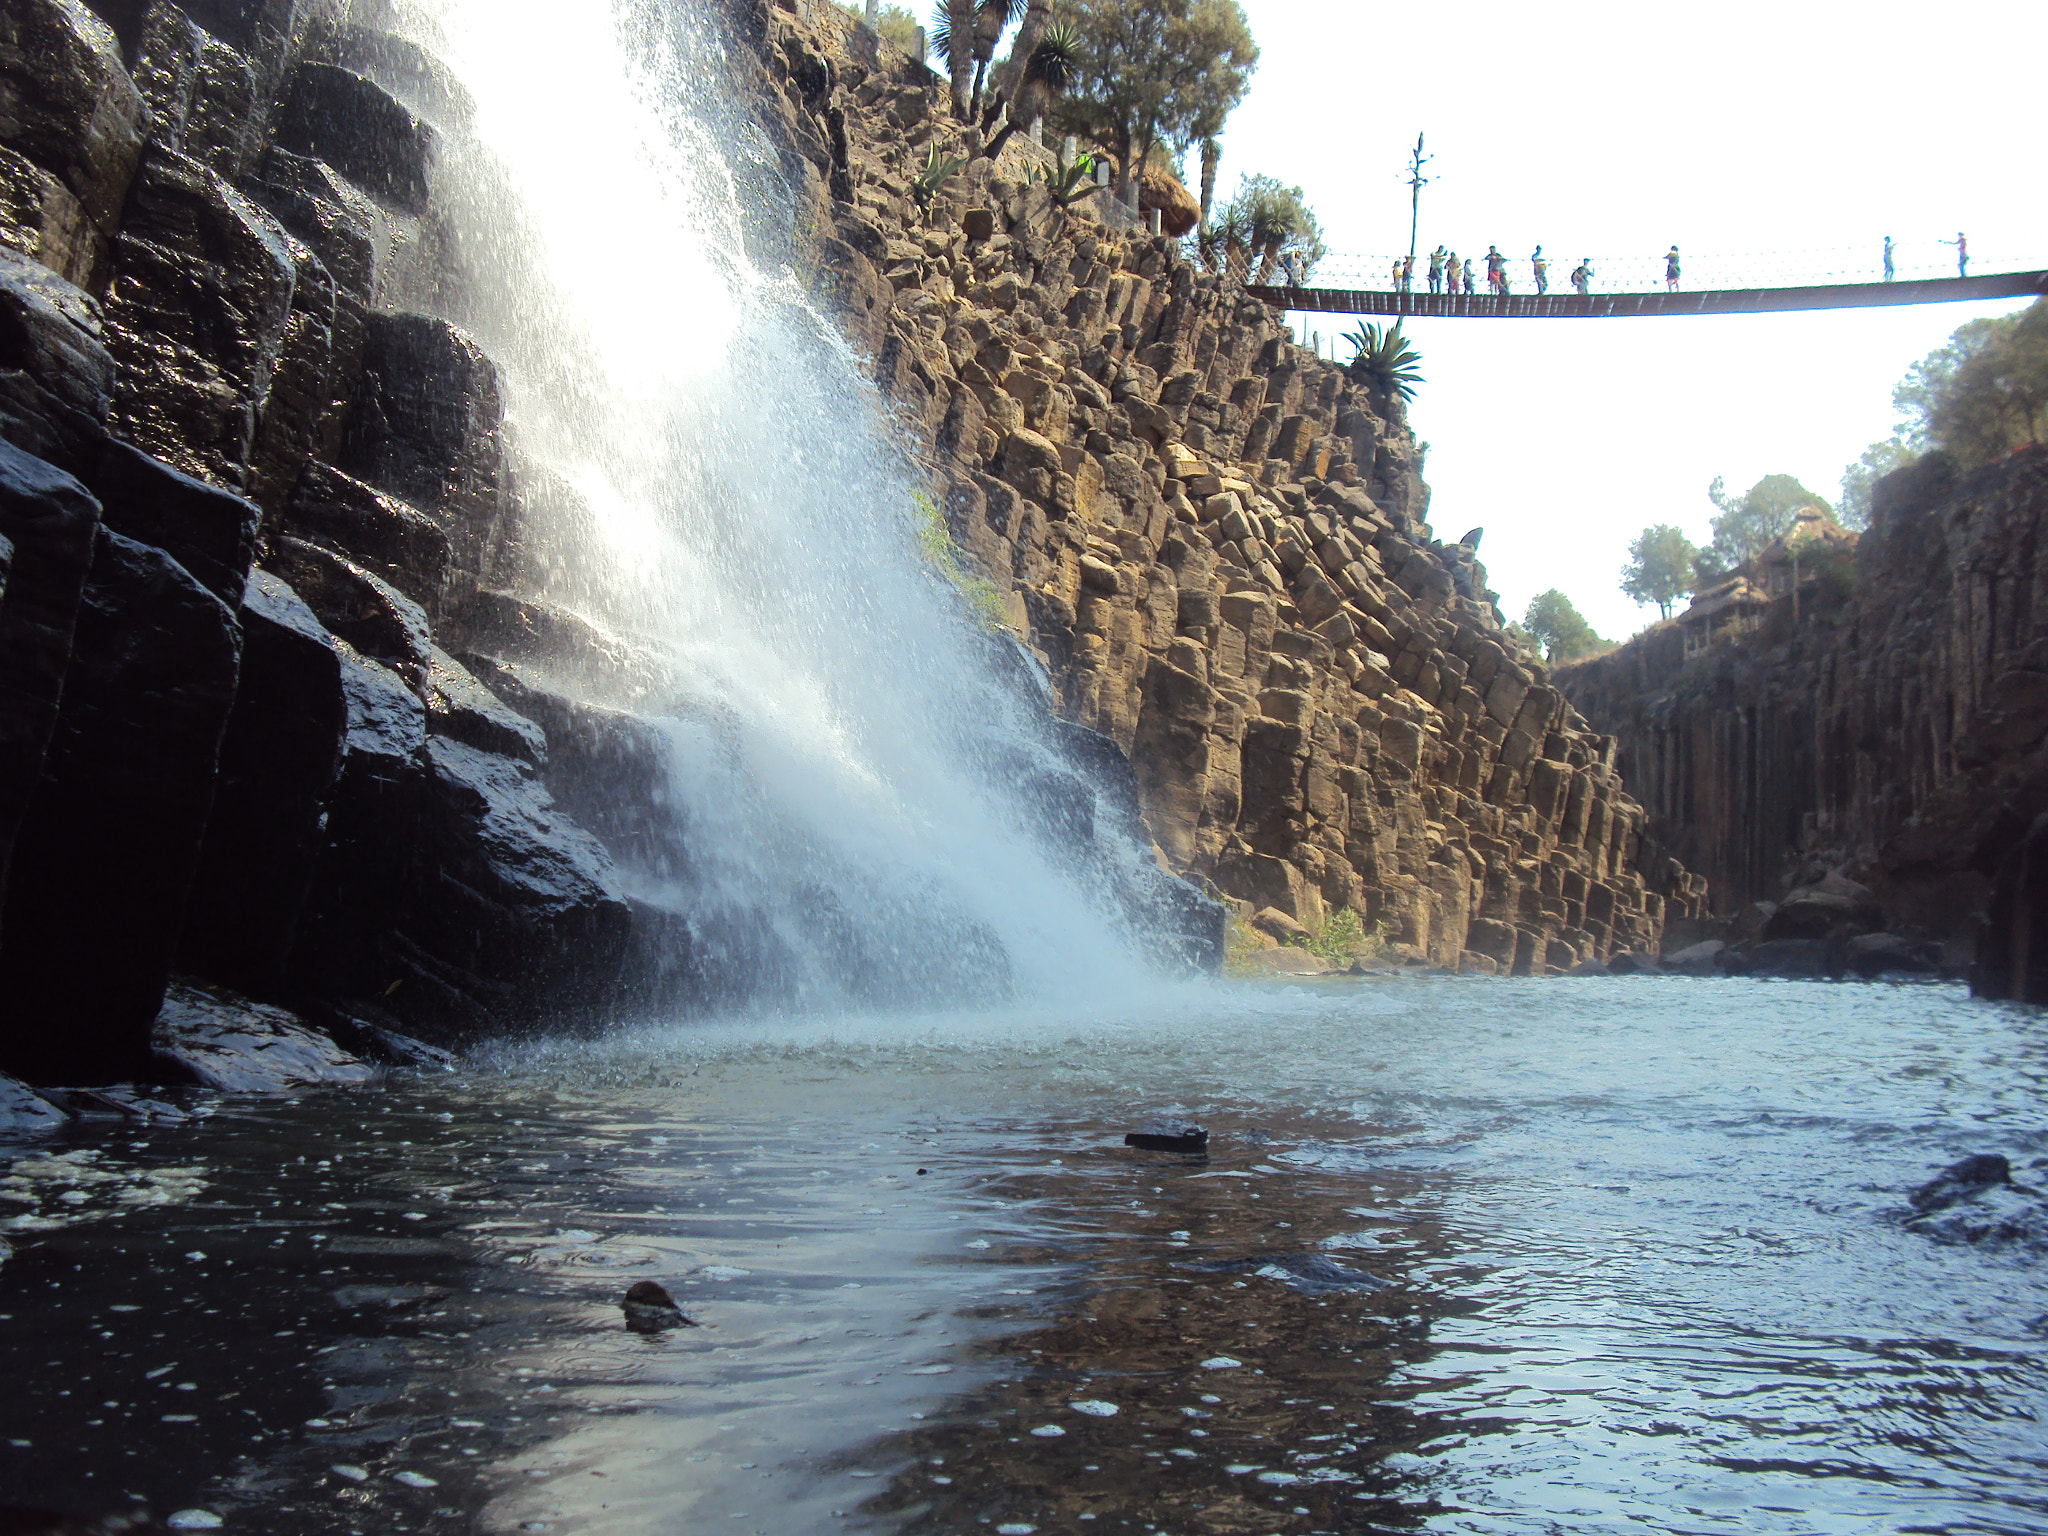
(1344, 939)
(935, 543)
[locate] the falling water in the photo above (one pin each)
(707, 472)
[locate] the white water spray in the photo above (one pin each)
(710, 472)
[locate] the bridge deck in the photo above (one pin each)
(1721, 301)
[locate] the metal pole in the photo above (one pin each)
(874, 12)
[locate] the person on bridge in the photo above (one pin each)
(1888, 268)
(1962, 245)
(1397, 274)
(1436, 270)
(1496, 271)
(1408, 273)
(1453, 270)
(1469, 265)
(1582, 277)
(1542, 270)
(1671, 270)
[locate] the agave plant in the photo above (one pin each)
(939, 168)
(1070, 183)
(1383, 359)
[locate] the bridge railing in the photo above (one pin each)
(1644, 272)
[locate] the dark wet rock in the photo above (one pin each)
(1797, 958)
(70, 104)
(105, 857)
(121, 1101)
(1881, 954)
(23, 1110)
(1959, 1181)
(358, 606)
(21, 1520)
(424, 427)
(374, 817)
(388, 1298)
(409, 73)
(1630, 962)
(463, 709)
(355, 125)
(279, 759)
(649, 1309)
(219, 1040)
(1701, 959)
(1168, 1136)
(370, 1032)
(48, 521)
(209, 531)
(397, 541)
(50, 332)
(1835, 909)
(1595, 967)
(1313, 1273)
(195, 317)
(520, 909)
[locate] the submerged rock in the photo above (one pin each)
(1959, 1181)
(649, 1309)
(1168, 1136)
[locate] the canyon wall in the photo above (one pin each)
(1216, 544)
(1892, 735)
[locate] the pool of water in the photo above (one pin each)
(1463, 1256)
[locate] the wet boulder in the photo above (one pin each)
(50, 332)
(358, 606)
(387, 536)
(1701, 959)
(360, 129)
(24, 1111)
(424, 427)
(1835, 908)
(365, 872)
(209, 531)
(70, 106)
(520, 909)
(219, 1040)
(1891, 954)
(649, 1308)
(104, 861)
(463, 709)
(279, 759)
(49, 522)
(196, 317)
(1168, 1136)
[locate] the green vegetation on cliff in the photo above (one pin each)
(1555, 624)
(1661, 567)
(1980, 395)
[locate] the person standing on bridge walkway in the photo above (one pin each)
(1453, 270)
(1496, 271)
(1582, 276)
(1408, 273)
(1962, 245)
(1542, 270)
(1436, 270)
(1470, 263)
(1671, 270)
(1888, 268)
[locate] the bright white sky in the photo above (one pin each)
(1613, 130)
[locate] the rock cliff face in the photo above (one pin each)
(1894, 735)
(270, 716)
(1216, 543)
(276, 712)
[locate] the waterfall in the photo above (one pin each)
(708, 473)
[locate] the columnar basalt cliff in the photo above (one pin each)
(282, 709)
(1216, 543)
(1891, 736)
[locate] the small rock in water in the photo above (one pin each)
(1168, 1136)
(194, 1520)
(1961, 1180)
(649, 1309)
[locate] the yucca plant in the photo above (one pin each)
(1383, 359)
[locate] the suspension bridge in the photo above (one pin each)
(1395, 303)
